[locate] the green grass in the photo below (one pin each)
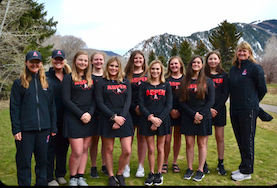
(271, 96)
(264, 167)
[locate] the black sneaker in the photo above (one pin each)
(112, 181)
(158, 180)
(221, 170)
(93, 172)
(104, 170)
(189, 173)
(120, 179)
(205, 168)
(150, 179)
(199, 176)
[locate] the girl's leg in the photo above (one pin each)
(190, 141)
(160, 148)
(151, 152)
(142, 147)
(76, 154)
(109, 145)
(177, 143)
(167, 146)
(219, 136)
(202, 150)
(84, 158)
(103, 153)
(126, 149)
(93, 150)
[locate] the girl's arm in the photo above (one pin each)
(225, 92)
(168, 102)
(15, 105)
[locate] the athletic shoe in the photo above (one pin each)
(53, 183)
(158, 180)
(240, 177)
(104, 170)
(206, 168)
(73, 182)
(120, 179)
(82, 182)
(140, 171)
(61, 180)
(126, 172)
(199, 176)
(150, 179)
(235, 172)
(112, 181)
(93, 172)
(221, 170)
(189, 173)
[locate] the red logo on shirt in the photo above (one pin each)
(217, 81)
(83, 84)
(138, 80)
(174, 85)
(155, 94)
(117, 89)
(244, 72)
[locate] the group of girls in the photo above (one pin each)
(91, 102)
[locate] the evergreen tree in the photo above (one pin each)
(163, 60)
(224, 39)
(185, 52)
(174, 50)
(151, 57)
(201, 49)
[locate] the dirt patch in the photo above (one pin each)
(272, 91)
(4, 104)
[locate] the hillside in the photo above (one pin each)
(255, 33)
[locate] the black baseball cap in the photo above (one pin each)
(33, 55)
(58, 53)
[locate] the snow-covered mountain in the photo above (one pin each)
(255, 33)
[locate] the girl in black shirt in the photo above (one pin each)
(214, 70)
(155, 104)
(78, 98)
(174, 76)
(113, 97)
(196, 99)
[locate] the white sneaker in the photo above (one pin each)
(126, 172)
(61, 181)
(140, 171)
(235, 172)
(73, 182)
(82, 182)
(53, 183)
(240, 177)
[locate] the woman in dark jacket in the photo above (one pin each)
(33, 118)
(247, 89)
(58, 145)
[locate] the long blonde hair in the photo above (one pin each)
(244, 45)
(67, 68)
(120, 75)
(26, 77)
(149, 77)
(87, 74)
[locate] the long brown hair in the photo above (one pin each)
(129, 68)
(219, 68)
(87, 74)
(201, 82)
(26, 77)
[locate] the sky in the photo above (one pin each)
(119, 25)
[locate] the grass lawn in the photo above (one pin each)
(264, 167)
(271, 96)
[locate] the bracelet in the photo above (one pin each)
(112, 118)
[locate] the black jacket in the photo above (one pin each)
(247, 86)
(33, 108)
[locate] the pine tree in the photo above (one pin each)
(152, 56)
(185, 52)
(201, 49)
(163, 60)
(224, 39)
(174, 50)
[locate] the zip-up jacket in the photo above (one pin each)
(247, 86)
(33, 108)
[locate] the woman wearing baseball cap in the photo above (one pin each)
(58, 145)
(33, 118)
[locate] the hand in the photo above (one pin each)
(138, 111)
(153, 127)
(120, 120)
(18, 136)
(213, 112)
(86, 117)
(156, 121)
(197, 118)
(174, 114)
(115, 126)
